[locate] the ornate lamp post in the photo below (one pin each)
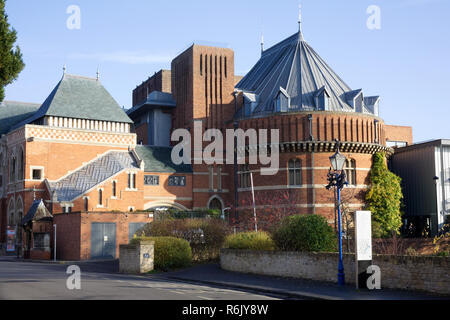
(336, 178)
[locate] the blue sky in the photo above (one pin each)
(406, 62)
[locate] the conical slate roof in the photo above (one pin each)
(80, 98)
(293, 68)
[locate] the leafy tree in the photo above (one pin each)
(11, 63)
(384, 198)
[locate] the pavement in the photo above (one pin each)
(291, 288)
(211, 275)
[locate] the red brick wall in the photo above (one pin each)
(74, 232)
(142, 133)
(399, 133)
(160, 81)
(68, 236)
(120, 219)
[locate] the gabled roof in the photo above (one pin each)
(38, 211)
(158, 159)
(81, 98)
(13, 112)
(294, 65)
(92, 174)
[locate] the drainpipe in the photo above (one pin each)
(235, 166)
(442, 213)
(311, 138)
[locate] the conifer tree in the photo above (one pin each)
(11, 63)
(384, 198)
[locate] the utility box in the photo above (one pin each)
(137, 258)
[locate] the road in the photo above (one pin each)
(28, 281)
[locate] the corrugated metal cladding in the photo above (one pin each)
(425, 172)
(443, 165)
(416, 167)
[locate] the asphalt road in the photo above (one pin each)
(28, 281)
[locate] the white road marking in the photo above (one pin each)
(205, 298)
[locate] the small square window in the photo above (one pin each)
(37, 174)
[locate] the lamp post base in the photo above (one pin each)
(341, 274)
(341, 278)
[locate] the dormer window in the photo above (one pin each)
(250, 103)
(282, 101)
(322, 99)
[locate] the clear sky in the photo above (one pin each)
(406, 62)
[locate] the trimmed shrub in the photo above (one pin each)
(250, 241)
(170, 252)
(205, 236)
(305, 233)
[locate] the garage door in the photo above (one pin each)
(103, 240)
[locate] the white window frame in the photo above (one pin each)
(37, 168)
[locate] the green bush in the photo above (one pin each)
(305, 233)
(250, 241)
(170, 252)
(205, 236)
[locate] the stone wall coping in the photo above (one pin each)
(385, 257)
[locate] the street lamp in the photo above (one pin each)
(336, 178)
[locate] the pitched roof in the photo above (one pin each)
(13, 112)
(158, 159)
(294, 66)
(37, 211)
(81, 98)
(92, 174)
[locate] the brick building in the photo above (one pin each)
(77, 153)
(97, 167)
(290, 89)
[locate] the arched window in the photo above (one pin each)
(295, 172)
(245, 176)
(11, 211)
(350, 171)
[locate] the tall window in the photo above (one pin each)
(12, 169)
(211, 177)
(219, 178)
(86, 204)
(245, 176)
(21, 166)
(295, 172)
(100, 197)
(131, 180)
(114, 189)
(350, 171)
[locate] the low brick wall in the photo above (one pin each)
(137, 258)
(431, 274)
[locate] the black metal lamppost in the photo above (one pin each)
(336, 178)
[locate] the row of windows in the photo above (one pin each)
(131, 184)
(295, 173)
(225, 67)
